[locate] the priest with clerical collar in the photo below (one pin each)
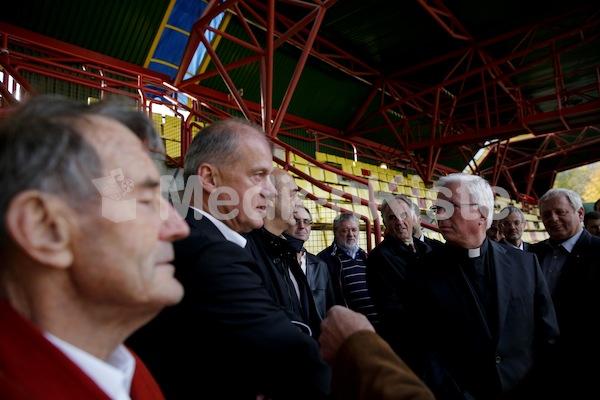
(483, 312)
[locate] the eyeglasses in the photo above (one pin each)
(437, 209)
(507, 224)
(303, 221)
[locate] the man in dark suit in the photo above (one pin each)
(570, 260)
(229, 338)
(387, 266)
(486, 311)
(513, 226)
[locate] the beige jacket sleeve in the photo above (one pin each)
(367, 368)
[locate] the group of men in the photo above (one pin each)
(493, 321)
(105, 290)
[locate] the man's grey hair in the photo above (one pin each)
(478, 189)
(571, 196)
(337, 222)
(399, 197)
(512, 209)
(43, 147)
(217, 144)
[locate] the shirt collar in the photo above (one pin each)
(351, 253)
(113, 376)
(570, 242)
(226, 231)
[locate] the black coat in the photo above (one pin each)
(388, 267)
(466, 353)
(318, 277)
(506, 243)
(277, 258)
(574, 372)
(228, 338)
(319, 280)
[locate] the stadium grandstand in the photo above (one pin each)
(361, 99)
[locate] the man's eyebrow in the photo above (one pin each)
(149, 183)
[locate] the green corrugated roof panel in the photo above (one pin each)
(117, 28)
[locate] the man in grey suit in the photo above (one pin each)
(485, 312)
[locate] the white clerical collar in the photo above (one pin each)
(113, 376)
(474, 252)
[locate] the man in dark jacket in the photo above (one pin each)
(570, 260)
(277, 255)
(314, 268)
(388, 264)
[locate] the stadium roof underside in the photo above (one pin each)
(422, 85)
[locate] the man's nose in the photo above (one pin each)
(173, 227)
(269, 189)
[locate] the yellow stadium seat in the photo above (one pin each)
(321, 193)
(317, 173)
(172, 136)
(330, 177)
(304, 168)
(376, 185)
(363, 193)
(321, 157)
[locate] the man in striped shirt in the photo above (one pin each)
(347, 266)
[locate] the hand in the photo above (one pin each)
(340, 323)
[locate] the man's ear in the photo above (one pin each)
(42, 225)
(483, 215)
(581, 214)
(209, 177)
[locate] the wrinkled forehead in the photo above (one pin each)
(348, 224)
(118, 147)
